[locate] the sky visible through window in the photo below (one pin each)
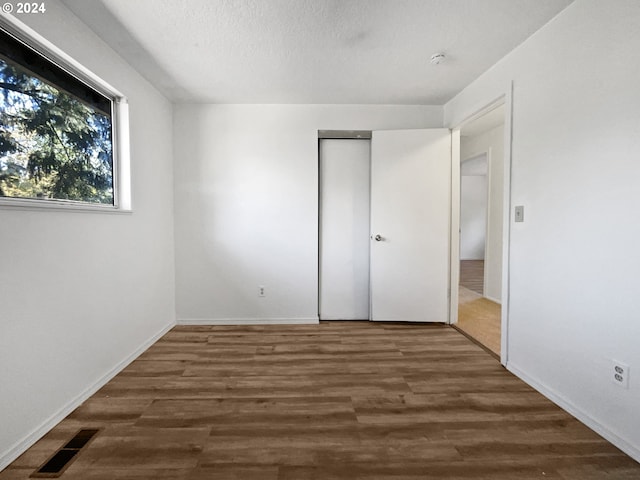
(52, 145)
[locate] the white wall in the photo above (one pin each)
(81, 292)
(491, 143)
(246, 203)
(574, 285)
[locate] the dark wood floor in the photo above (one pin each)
(339, 400)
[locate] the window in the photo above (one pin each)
(57, 130)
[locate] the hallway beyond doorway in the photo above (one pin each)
(478, 317)
(472, 275)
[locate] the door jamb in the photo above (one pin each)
(507, 99)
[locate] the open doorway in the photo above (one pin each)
(481, 228)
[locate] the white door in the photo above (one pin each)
(410, 212)
(344, 229)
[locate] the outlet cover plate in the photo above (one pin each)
(619, 373)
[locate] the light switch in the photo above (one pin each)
(519, 213)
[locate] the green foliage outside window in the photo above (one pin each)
(52, 145)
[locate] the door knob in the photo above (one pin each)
(378, 238)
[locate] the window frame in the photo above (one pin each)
(119, 126)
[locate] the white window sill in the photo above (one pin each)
(59, 206)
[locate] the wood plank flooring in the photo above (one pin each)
(479, 318)
(339, 400)
(472, 275)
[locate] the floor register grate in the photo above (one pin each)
(59, 461)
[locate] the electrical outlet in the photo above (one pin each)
(619, 373)
(261, 291)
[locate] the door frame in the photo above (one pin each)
(506, 98)
(367, 135)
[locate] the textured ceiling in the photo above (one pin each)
(313, 51)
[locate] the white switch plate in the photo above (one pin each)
(519, 213)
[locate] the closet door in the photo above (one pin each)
(344, 229)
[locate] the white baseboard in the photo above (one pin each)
(402, 320)
(21, 446)
(346, 319)
(249, 321)
(584, 417)
(494, 300)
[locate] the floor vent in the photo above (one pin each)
(57, 464)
